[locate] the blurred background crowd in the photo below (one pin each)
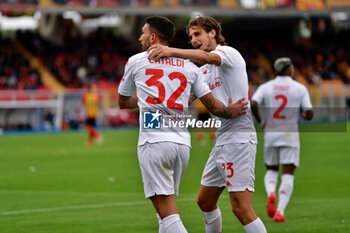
(68, 44)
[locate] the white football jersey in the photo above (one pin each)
(163, 89)
(284, 98)
(230, 80)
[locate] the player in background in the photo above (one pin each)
(283, 97)
(164, 86)
(91, 101)
(231, 163)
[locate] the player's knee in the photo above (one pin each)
(237, 211)
(205, 205)
(240, 211)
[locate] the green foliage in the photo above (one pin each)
(53, 183)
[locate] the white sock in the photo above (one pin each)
(160, 222)
(257, 226)
(284, 192)
(270, 181)
(213, 221)
(173, 224)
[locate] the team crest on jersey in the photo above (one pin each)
(151, 120)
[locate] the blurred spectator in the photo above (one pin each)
(100, 57)
(95, 58)
(49, 120)
(15, 71)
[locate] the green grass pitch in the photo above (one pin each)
(53, 183)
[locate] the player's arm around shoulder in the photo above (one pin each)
(217, 108)
(198, 56)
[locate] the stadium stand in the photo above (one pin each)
(60, 56)
(96, 58)
(15, 70)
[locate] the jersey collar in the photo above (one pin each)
(283, 77)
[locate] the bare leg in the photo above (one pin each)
(164, 205)
(241, 203)
(207, 201)
(166, 208)
(208, 197)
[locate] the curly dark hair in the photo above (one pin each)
(208, 24)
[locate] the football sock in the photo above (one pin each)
(270, 181)
(160, 222)
(257, 226)
(90, 131)
(94, 132)
(213, 221)
(173, 224)
(284, 192)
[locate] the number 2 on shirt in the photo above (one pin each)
(154, 81)
(277, 115)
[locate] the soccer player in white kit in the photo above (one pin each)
(163, 88)
(283, 98)
(231, 163)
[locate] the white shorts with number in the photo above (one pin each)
(162, 167)
(281, 155)
(231, 165)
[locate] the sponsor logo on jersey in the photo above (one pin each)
(216, 83)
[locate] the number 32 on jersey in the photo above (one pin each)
(154, 81)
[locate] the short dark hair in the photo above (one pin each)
(208, 24)
(162, 27)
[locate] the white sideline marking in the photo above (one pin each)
(73, 193)
(68, 193)
(91, 206)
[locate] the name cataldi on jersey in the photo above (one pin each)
(168, 61)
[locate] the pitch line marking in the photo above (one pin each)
(75, 193)
(77, 207)
(68, 193)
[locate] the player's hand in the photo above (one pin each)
(158, 51)
(239, 108)
(262, 124)
(303, 115)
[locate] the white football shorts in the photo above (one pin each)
(231, 165)
(162, 167)
(281, 155)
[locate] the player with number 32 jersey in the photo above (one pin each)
(163, 84)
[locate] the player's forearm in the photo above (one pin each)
(221, 110)
(197, 56)
(308, 115)
(127, 102)
(255, 111)
(192, 99)
(216, 107)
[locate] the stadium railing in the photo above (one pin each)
(14, 103)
